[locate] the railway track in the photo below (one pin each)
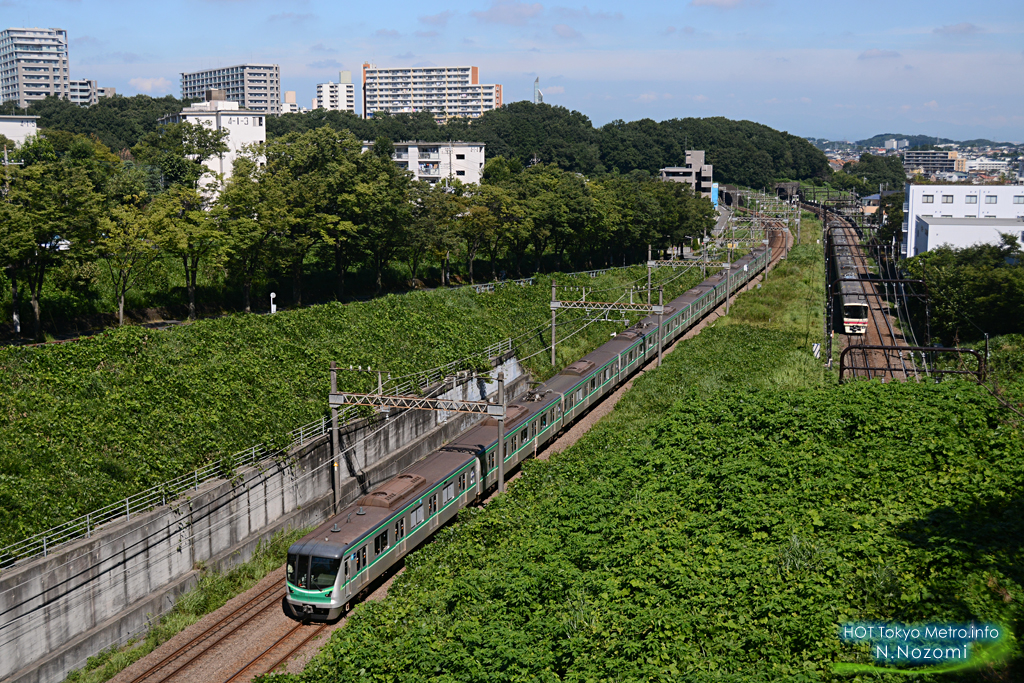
(254, 637)
(181, 660)
(279, 652)
(885, 365)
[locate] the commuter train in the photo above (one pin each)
(852, 290)
(331, 567)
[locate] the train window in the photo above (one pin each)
(360, 559)
(515, 444)
(490, 460)
(298, 569)
(323, 571)
(472, 477)
(380, 543)
(400, 529)
(579, 395)
(543, 420)
(448, 492)
(432, 505)
(346, 569)
(593, 384)
(462, 482)
(416, 518)
(524, 435)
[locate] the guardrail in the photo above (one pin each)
(42, 544)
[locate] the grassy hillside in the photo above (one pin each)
(720, 524)
(85, 424)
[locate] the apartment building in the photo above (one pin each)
(18, 128)
(694, 172)
(86, 93)
(960, 215)
(444, 91)
(432, 161)
(255, 87)
(340, 96)
(33, 64)
(244, 127)
(929, 162)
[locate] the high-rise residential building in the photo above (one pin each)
(33, 64)
(695, 173)
(444, 91)
(340, 96)
(256, 87)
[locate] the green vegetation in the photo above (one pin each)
(974, 290)
(83, 232)
(212, 592)
(720, 524)
(742, 152)
(865, 176)
(85, 424)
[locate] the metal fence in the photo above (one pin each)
(42, 543)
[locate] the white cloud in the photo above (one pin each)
(878, 54)
(439, 19)
(150, 85)
(931, 105)
(565, 31)
(961, 29)
(700, 98)
(553, 90)
(511, 12)
(648, 97)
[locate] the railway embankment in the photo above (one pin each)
(726, 520)
(86, 596)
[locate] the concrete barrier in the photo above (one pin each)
(99, 592)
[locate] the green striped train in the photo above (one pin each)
(330, 568)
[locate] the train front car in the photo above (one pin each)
(333, 565)
(855, 307)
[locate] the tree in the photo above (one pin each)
(183, 227)
(180, 150)
(381, 210)
(318, 172)
(127, 247)
(256, 215)
(53, 212)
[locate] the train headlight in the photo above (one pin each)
(328, 594)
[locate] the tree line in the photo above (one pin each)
(309, 202)
(741, 152)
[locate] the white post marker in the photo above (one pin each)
(273, 306)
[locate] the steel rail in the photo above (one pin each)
(315, 632)
(209, 632)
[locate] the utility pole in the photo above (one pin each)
(335, 438)
(501, 433)
(661, 317)
(554, 298)
(648, 275)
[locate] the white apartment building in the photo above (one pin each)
(18, 128)
(255, 87)
(244, 127)
(340, 96)
(86, 93)
(960, 215)
(33, 64)
(432, 161)
(444, 91)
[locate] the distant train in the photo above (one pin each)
(329, 568)
(852, 290)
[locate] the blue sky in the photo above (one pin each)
(841, 70)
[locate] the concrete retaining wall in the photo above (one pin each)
(88, 595)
